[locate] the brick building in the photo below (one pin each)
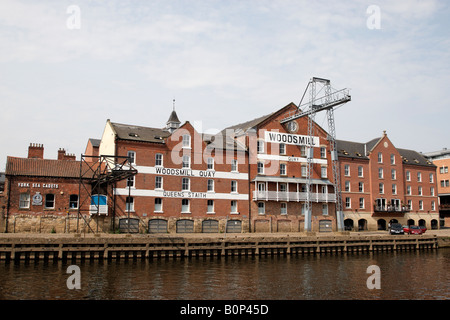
(441, 159)
(42, 195)
(383, 184)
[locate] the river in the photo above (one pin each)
(421, 275)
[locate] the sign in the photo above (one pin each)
(184, 194)
(37, 199)
(38, 185)
(185, 172)
(288, 138)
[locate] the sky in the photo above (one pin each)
(68, 66)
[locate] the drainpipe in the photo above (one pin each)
(8, 203)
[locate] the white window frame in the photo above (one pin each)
(24, 201)
(283, 208)
(186, 162)
(158, 204)
(210, 185)
(185, 184)
(159, 160)
(283, 169)
(45, 201)
(132, 156)
(234, 205)
(210, 164)
(160, 182)
(234, 165)
(186, 141)
(129, 204)
(234, 186)
(261, 208)
(210, 207)
(185, 208)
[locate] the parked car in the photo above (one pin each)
(412, 230)
(423, 228)
(396, 228)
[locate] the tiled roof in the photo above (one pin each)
(358, 150)
(43, 168)
(138, 133)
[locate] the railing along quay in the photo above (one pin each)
(141, 247)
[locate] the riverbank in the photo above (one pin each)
(151, 246)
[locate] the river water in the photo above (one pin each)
(419, 275)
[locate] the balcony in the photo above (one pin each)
(293, 196)
(391, 208)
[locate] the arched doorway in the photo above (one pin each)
(422, 222)
(381, 224)
(157, 226)
(348, 224)
(362, 225)
(434, 224)
(410, 222)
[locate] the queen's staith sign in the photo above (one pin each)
(287, 138)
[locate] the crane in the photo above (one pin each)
(327, 102)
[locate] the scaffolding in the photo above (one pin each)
(327, 102)
(98, 178)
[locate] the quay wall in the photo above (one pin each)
(129, 246)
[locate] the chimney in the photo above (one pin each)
(63, 156)
(36, 150)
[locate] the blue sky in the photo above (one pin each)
(224, 62)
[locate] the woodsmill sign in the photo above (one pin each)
(288, 138)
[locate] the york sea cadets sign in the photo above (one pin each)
(288, 138)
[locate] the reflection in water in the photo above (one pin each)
(270, 278)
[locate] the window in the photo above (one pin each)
(381, 187)
(303, 151)
(380, 173)
(420, 204)
(186, 141)
(132, 156)
(408, 176)
(325, 209)
(361, 203)
(158, 205)
(186, 162)
(393, 174)
(260, 146)
(432, 191)
(347, 186)
(445, 183)
(233, 186)
(73, 201)
(158, 182)
(283, 208)
(129, 204)
(360, 172)
(303, 209)
(158, 159)
(433, 205)
(185, 205)
(348, 202)
(410, 204)
(304, 171)
(392, 159)
(282, 148)
(210, 208)
(431, 178)
(283, 187)
(185, 184)
(234, 165)
(361, 186)
(394, 188)
(234, 208)
(380, 157)
(323, 152)
(420, 190)
(347, 170)
(260, 168)
(210, 185)
(419, 176)
(323, 172)
(283, 169)
(261, 208)
(24, 201)
(210, 164)
(49, 201)
(130, 181)
(408, 190)
(443, 170)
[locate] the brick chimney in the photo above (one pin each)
(36, 150)
(63, 156)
